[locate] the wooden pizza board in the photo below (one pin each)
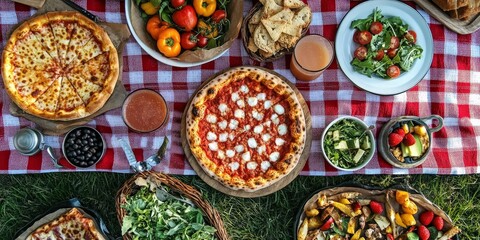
(462, 27)
(264, 191)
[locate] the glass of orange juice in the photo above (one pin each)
(311, 56)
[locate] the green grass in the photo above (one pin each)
(23, 197)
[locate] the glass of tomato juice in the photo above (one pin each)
(311, 56)
(144, 110)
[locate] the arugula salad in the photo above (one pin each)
(147, 217)
(346, 144)
(386, 46)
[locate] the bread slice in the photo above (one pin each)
(285, 15)
(274, 28)
(263, 40)
(293, 3)
(256, 17)
(464, 13)
(303, 17)
(447, 5)
(271, 8)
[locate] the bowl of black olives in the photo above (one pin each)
(83, 146)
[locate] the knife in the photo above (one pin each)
(82, 11)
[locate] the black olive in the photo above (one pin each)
(84, 142)
(78, 141)
(71, 141)
(79, 152)
(88, 131)
(78, 132)
(91, 144)
(81, 158)
(92, 139)
(73, 153)
(89, 155)
(85, 148)
(75, 146)
(83, 164)
(93, 150)
(94, 158)
(98, 154)
(91, 163)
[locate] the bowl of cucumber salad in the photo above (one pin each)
(347, 144)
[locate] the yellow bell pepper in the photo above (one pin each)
(149, 8)
(205, 7)
(207, 30)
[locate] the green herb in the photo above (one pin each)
(392, 26)
(149, 218)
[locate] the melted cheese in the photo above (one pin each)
(279, 141)
(266, 137)
(211, 118)
(223, 124)
(267, 104)
(252, 101)
(213, 146)
(252, 165)
(239, 148)
(265, 165)
(279, 109)
(211, 136)
(274, 156)
(241, 103)
(252, 143)
(222, 108)
(230, 153)
(234, 166)
(261, 149)
(223, 137)
(262, 96)
(244, 88)
(258, 129)
(282, 129)
(246, 156)
(235, 97)
(233, 124)
(239, 113)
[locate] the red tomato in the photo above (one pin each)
(411, 36)
(219, 15)
(185, 18)
(392, 52)
(361, 53)
(327, 224)
(376, 27)
(393, 71)
(188, 40)
(364, 37)
(177, 3)
(380, 54)
(394, 42)
(202, 41)
(355, 36)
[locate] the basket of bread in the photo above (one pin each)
(272, 28)
(153, 205)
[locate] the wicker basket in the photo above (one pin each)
(246, 36)
(211, 214)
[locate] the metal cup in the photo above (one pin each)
(29, 141)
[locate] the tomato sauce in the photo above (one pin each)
(144, 110)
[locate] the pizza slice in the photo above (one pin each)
(81, 35)
(62, 27)
(40, 27)
(46, 104)
(24, 50)
(28, 85)
(98, 70)
(70, 105)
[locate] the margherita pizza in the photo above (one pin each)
(60, 66)
(71, 225)
(246, 128)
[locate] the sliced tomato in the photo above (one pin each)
(327, 225)
(380, 54)
(364, 37)
(376, 27)
(393, 71)
(355, 36)
(361, 53)
(392, 52)
(411, 36)
(394, 42)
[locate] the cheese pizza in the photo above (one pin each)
(71, 225)
(60, 66)
(246, 128)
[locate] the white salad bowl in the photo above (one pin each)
(367, 133)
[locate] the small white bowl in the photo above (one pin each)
(369, 133)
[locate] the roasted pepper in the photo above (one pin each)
(206, 29)
(205, 7)
(169, 42)
(155, 26)
(149, 8)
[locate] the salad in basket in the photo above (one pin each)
(180, 25)
(386, 46)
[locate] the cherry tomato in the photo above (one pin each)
(411, 36)
(218, 15)
(177, 3)
(380, 54)
(393, 71)
(360, 53)
(364, 37)
(202, 41)
(188, 40)
(185, 18)
(376, 27)
(392, 52)
(327, 224)
(394, 42)
(355, 36)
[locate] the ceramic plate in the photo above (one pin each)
(154, 52)
(344, 47)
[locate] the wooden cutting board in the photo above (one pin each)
(265, 191)
(31, 3)
(462, 27)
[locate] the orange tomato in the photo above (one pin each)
(168, 42)
(155, 25)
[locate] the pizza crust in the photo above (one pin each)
(24, 50)
(196, 111)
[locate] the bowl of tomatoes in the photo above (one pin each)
(184, 33)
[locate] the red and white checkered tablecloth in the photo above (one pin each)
(451, 89)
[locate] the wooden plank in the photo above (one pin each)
(32, 3)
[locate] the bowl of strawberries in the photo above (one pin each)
(406, 141)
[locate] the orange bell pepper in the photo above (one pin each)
(155, 26)
(206, 29)
(169, 42)
(149, 8)
(205, 7)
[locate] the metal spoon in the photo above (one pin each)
(164, 195)
(370, 128)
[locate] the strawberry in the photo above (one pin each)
(408, 140)
(376, 207)
(438, 223)
(400, 132)
(426, 217)
(423, 232)
(394, 139)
